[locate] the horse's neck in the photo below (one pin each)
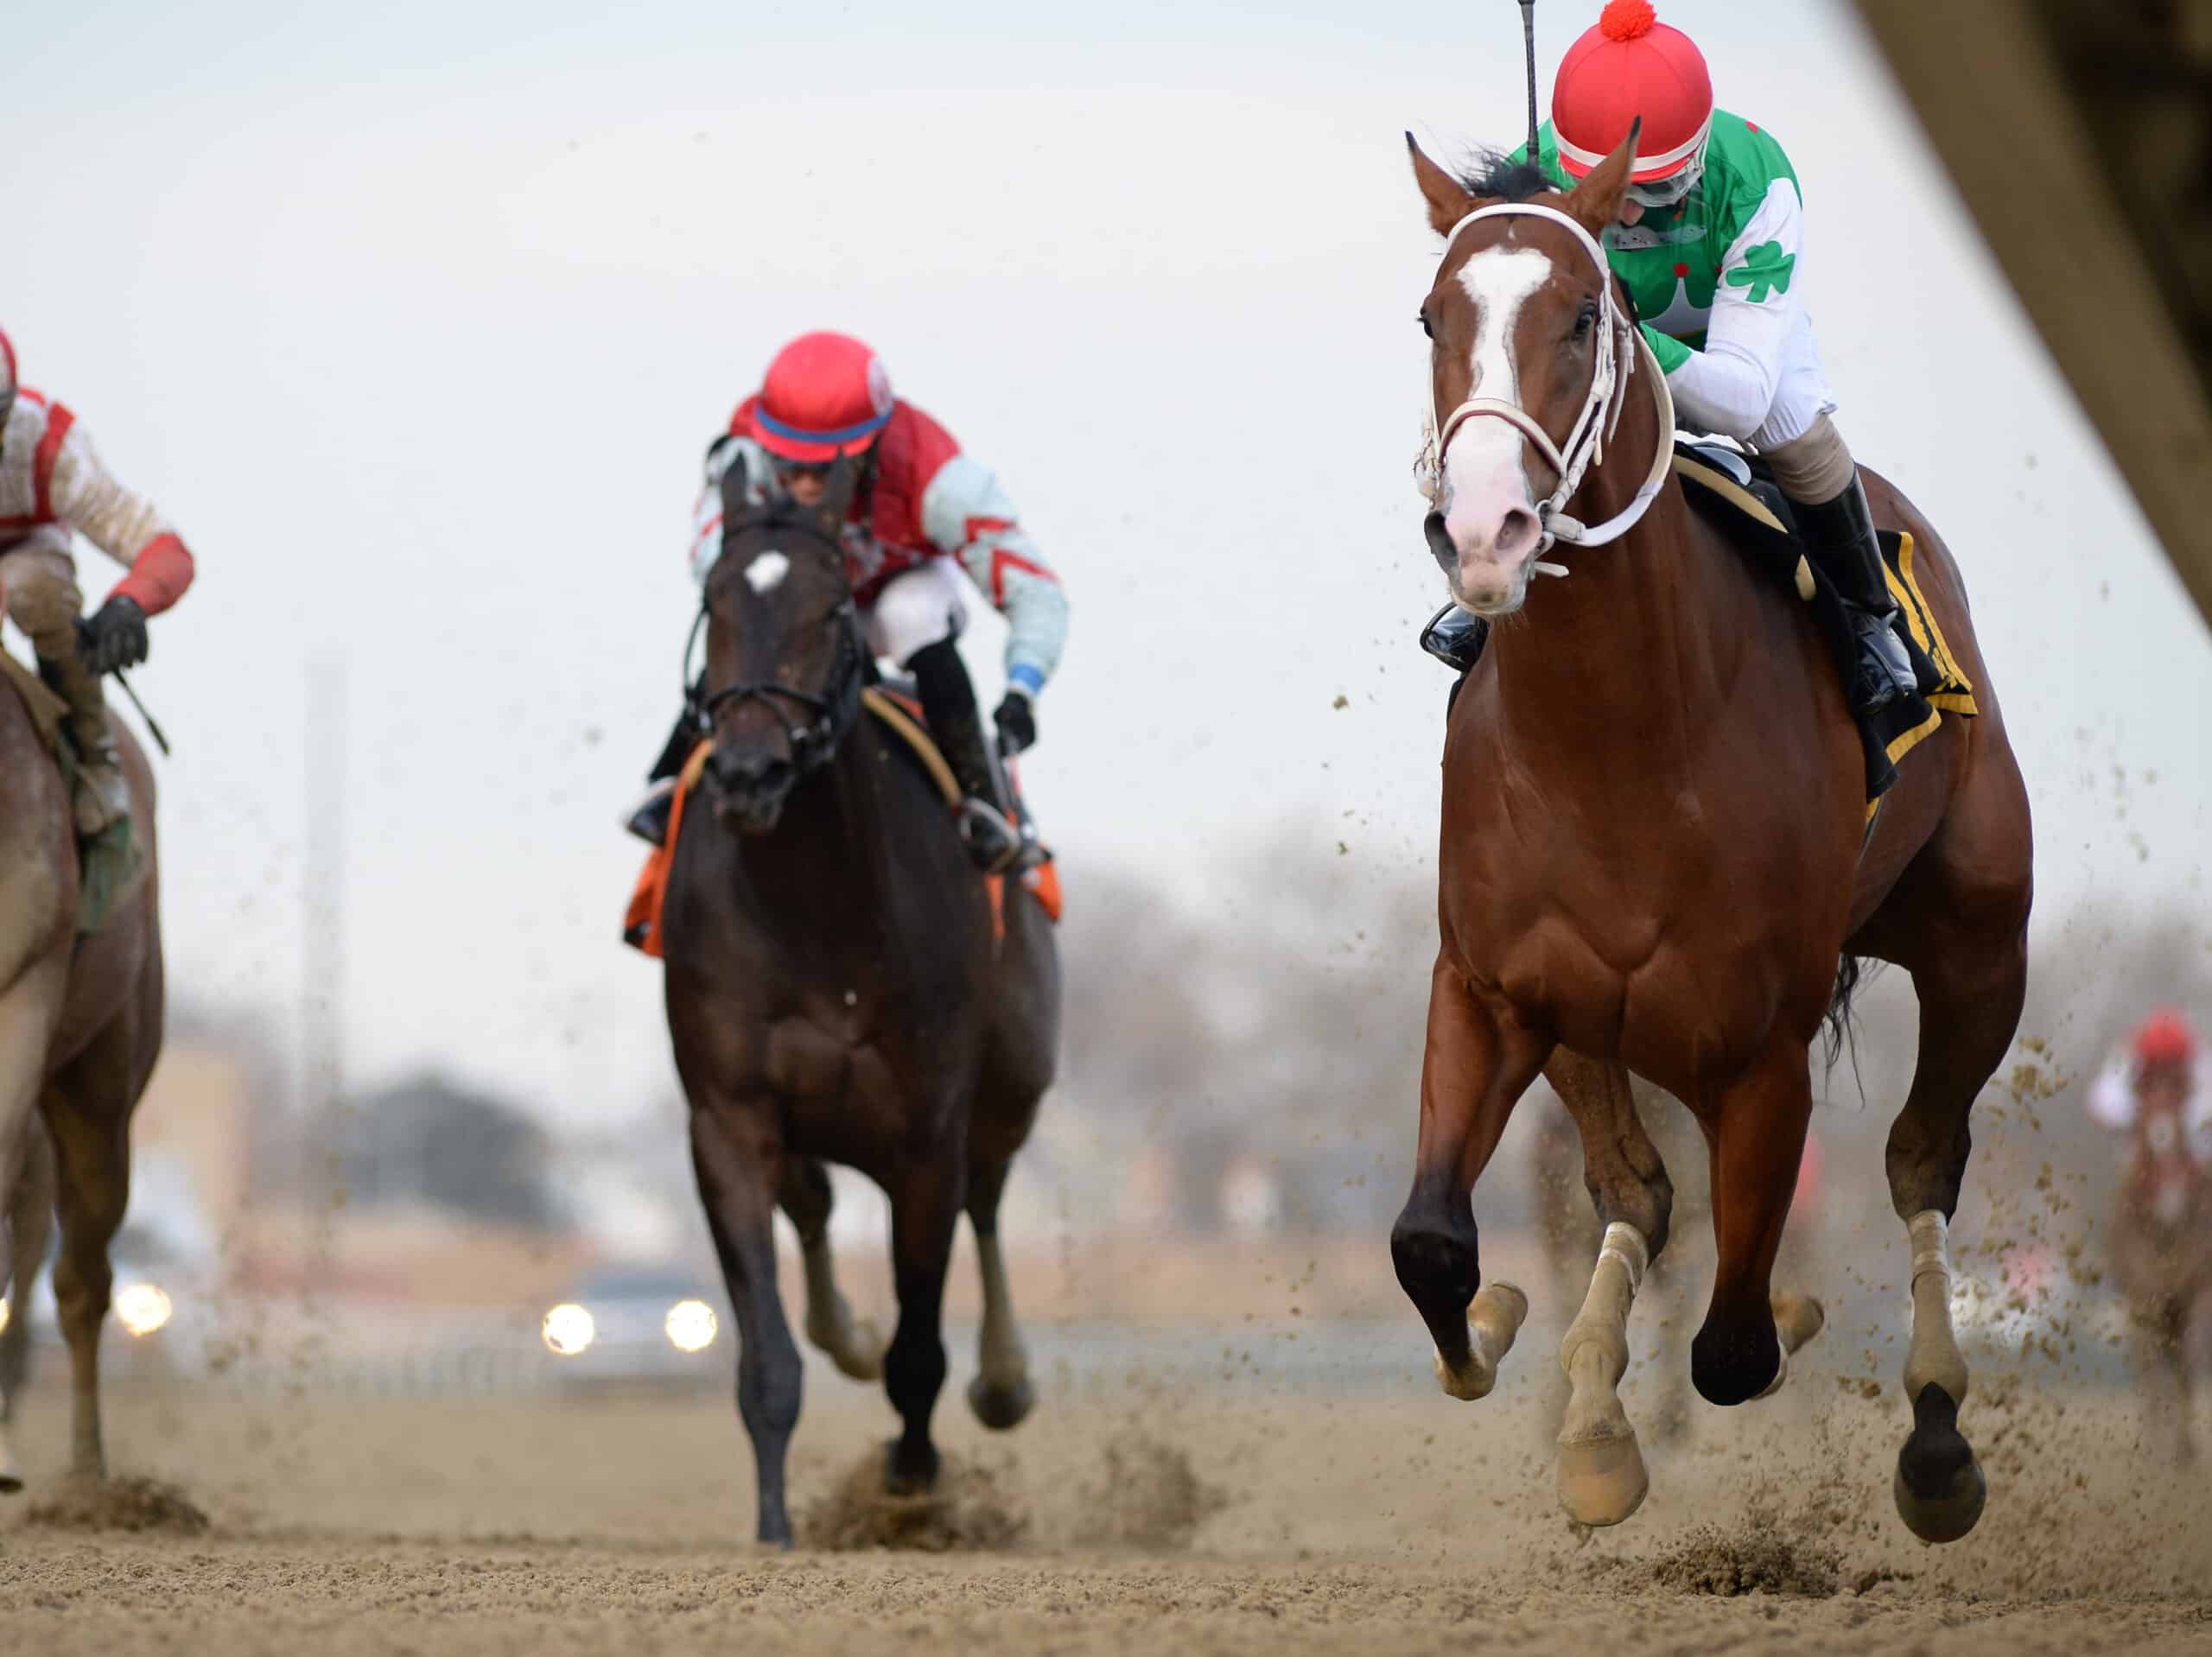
(1619, 655)
(826, 864)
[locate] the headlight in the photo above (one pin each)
(690, 1325)
(568, 1329)
(141, 1308)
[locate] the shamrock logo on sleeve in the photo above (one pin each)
(1766, 269)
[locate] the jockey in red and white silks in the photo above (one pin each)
(925, 512)
(52, 486)
(2157, 1091)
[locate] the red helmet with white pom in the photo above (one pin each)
(826, 395)
(1630, 64)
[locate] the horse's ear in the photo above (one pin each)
(843, 483)
(736, 484)
(1449, 201)
(1596, 202)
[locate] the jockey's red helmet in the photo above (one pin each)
(1626, 65)
(2164, 1039)
(826, 395)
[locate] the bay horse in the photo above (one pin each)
(842, 987)
(80, 1028)
(1655, 860)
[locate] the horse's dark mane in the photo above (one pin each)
(1495, 173)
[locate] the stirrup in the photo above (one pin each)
(1883, 672)
(648, 819)
(101, 797)
(995, 844)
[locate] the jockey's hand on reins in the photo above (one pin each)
(115, 637)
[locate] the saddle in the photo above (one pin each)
(900, 712)
(1735, 493)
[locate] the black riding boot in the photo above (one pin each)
(949, 703)
(1840, 533)
(648, 819)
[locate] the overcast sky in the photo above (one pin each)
(416, 319)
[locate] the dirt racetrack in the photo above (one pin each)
(1130, 1515)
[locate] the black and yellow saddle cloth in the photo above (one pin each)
(1734, 493)
(110, 864)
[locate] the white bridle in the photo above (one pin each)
(1601, 408)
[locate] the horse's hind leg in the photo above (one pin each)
(852, 1342)
(88, 1111)
(924, 1211)
(737, 1159)
(1000, 1395)
(1970, 995)
(1601, 1475)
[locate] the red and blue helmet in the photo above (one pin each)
(825, 395)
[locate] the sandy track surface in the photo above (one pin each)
(1228, 1520)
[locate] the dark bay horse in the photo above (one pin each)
(1655, 856)
(80, 1028)
(838, 991)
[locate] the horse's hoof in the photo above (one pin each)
(916, 1480)
(11, 1482)
(1000, 1408)
(858, 1356)
(1602, 1481)
(1949, 1516)
(1940, 1487)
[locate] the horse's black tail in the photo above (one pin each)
(1849, 972)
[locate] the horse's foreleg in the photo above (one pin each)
(1758, 1135)
(1002, 1394)
(853, 1344)
(1601, 1474)
(29, 1011)
(30, 1208)
(737, 1157)
(1476, 1067)
(924, 1211)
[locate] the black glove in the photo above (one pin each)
(1017, 722)
(115, 637)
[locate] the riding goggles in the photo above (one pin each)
(1660, 194)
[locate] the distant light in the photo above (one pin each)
(141, 1308)
(690, 1325)
(3, 1314)
(569, 1328)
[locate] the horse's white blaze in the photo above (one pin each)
(765, 572)
(1485, 479)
